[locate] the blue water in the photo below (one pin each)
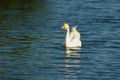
(31, 40)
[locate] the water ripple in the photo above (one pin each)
(31, 40)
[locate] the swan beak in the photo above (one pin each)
(63, 27)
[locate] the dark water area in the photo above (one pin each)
(31, 40)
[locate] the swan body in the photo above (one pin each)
(72, 38)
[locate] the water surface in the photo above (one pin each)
(31, 40)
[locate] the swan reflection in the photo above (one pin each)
(72, 63)
(72, 50)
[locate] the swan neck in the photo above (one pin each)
(67, 34)
(67, 40)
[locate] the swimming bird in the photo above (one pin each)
(72, 38)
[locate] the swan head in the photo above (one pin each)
(65, 26)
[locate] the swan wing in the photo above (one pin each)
(75, 38)
(74, 35)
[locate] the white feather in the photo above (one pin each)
(72, 38)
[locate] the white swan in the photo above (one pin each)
(72, 38)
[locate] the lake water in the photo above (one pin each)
(31, 40)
